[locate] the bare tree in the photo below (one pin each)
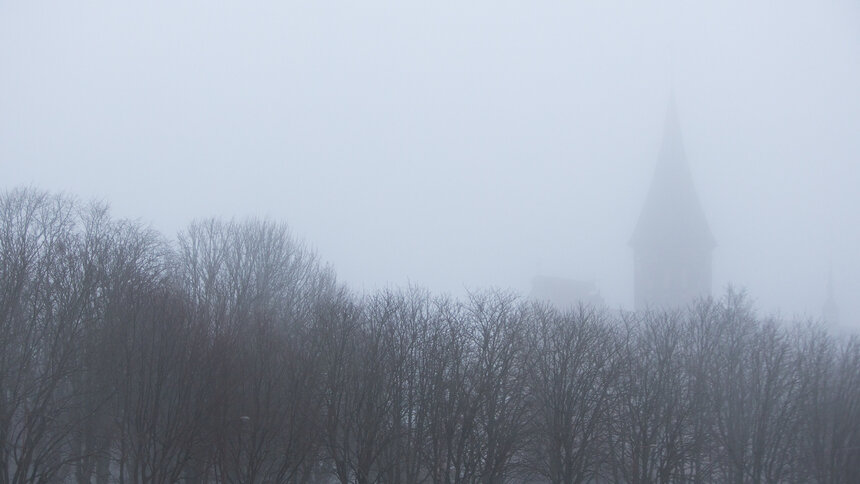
(164, 389)
(258, 289)
(129, 261)
(412, 316)
(573, 369)
(702, 337)
(650, 442)
(844, 462)
(452, 447)
(829, 375)
(499, 379)
(756, 419)
(47, 282)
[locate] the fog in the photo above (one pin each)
(456, 145)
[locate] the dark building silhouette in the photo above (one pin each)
(672, 242)
(565, 293)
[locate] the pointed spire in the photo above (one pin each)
(672, 213)
(672, 150)
(830, 311)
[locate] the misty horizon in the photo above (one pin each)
(453, 146)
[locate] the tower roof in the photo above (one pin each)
(672, 215)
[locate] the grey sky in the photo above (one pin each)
(455, 144)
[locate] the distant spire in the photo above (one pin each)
(830, 311)
(672, 211)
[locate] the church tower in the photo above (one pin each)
(672, 242)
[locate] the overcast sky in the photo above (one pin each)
(455, 144)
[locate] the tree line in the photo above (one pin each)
(233, 355)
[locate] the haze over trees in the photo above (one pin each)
(456, 144)
(233, 355)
